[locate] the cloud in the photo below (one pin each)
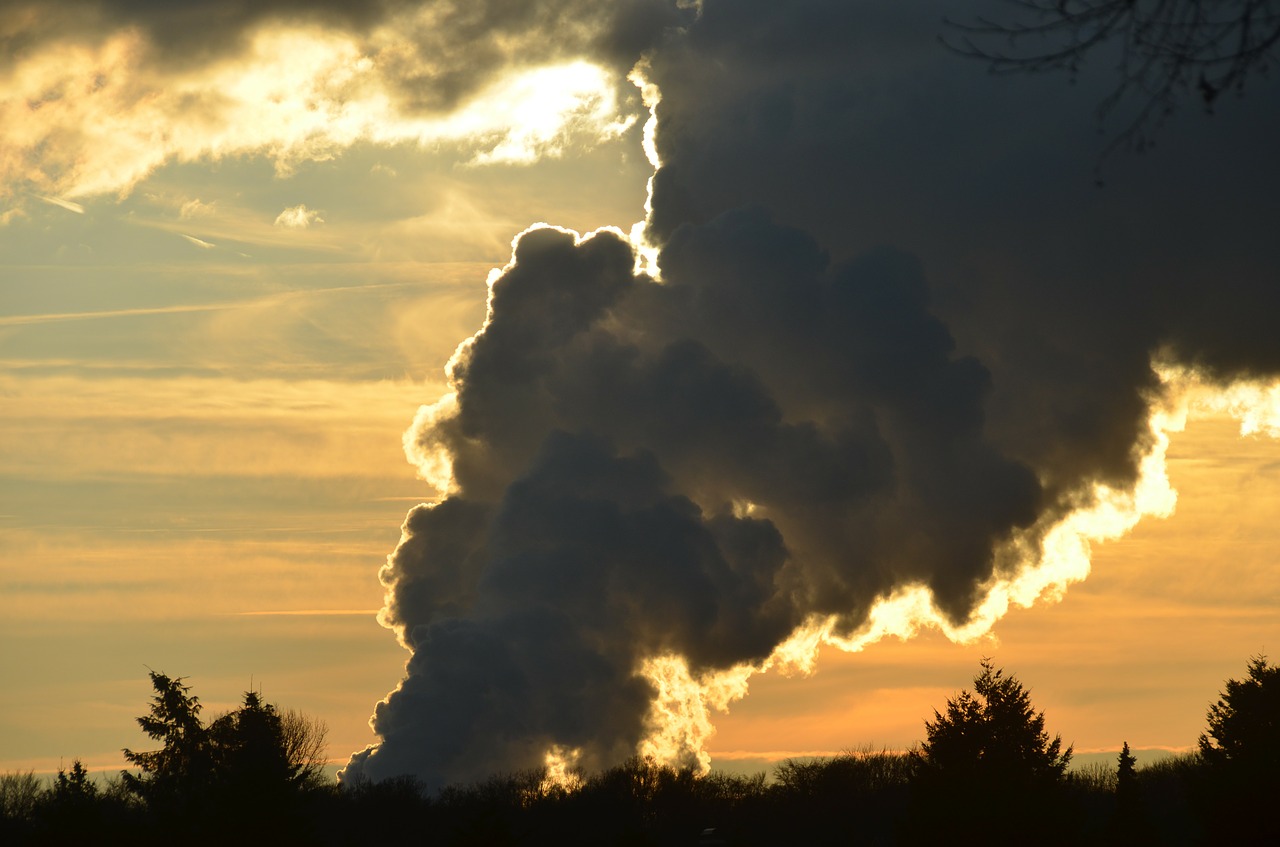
(195, 208)
(655, 489)
(59, 317)
(63, 204)
(298, 217)
(604, 428)
(199, 242)
(86, 85)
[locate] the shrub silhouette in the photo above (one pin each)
(855, 797)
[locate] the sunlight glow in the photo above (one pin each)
(680, 720)
(423, 445)
(78, 120)
(562, 773)
(424, 449)
(646, 252)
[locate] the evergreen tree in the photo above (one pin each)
(989, 754)
(1241, 751)
(1244, 725)
(75, 787)
(178, 773)
(1126, 772)
(1127, 825)
(247, 766)
(72, 804)
(992, 735)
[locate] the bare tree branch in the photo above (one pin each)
(1167, 50)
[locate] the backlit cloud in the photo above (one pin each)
(95, 112)
(298, 217)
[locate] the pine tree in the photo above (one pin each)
(1244, 725)
(993, 734)
(1126, 771)
(1241, 749)
(989, 754)
(180, 770)
(250, 761)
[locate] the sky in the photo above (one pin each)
(719, 381)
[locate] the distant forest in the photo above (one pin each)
(987, 773)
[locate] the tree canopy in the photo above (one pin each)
(1241, 749)
(992, 734)
(989, 748)
(988, 773)
(1244, 725)
(183, 764)
(253, 757)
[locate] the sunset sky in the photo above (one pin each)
(900, 336)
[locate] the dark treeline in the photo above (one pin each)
(988, 772)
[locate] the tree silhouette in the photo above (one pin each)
(252, 763)
(304, 740)
(1244, 725)
(1167, 49)
(19, 797)
(74, 787)
(1127, 824)
(992, 734)
(990, 747)
(1126, 770)
(1241, 749)
(178, 773)
(72, 805)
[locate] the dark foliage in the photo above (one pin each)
(175, 776)
(987, 773)
(1127, 821)
(250, 768)
(990, 745)
(1241, 752)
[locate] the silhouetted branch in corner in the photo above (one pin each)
(1166, 50)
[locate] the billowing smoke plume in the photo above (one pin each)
(797, 421)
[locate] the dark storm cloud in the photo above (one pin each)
(1061, 289)
(800, 419)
